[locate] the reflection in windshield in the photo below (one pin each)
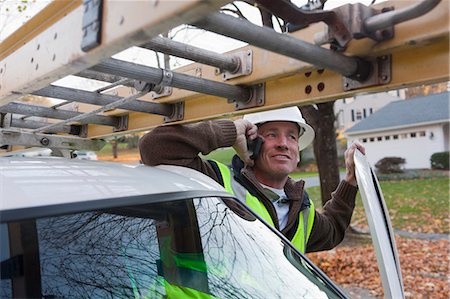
(198, 248)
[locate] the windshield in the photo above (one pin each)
(202, 248)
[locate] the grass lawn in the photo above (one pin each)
(417, 205)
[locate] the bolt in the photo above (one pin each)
(384, 78)
(45, 141)
(260, 101)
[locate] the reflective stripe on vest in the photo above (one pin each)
(306, 217)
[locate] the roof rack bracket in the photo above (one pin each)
(257, 98)
(161, 91)
(178, 113)
(245, 66)
(380, 74)
(353, 16)
(122, 124)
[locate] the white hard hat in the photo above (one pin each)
(291, 114)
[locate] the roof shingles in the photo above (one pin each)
(425, 109)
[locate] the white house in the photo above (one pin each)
(350, 111)
(412, 129)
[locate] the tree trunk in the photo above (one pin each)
(322, 120)
(114, 146)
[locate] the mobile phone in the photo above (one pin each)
(254, 146)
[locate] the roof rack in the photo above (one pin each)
(360, 49)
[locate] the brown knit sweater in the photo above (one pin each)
(181, 144)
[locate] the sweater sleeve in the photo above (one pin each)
(181, 144)
(329, 226)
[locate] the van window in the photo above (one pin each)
(203, 247)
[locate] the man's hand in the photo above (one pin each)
(350, 162)
(244, 130)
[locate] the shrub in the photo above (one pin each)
(440, 160)
(390, 165)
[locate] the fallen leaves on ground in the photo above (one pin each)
(424, 264)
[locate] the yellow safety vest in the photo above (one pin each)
(306, 217)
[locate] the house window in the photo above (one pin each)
(403, 136)
(364, 113)
(413, 135)
(372, 139)
(353, 115)
(370, 110)
(422, 134)
(395, 136)
(358, 115)
(364, 140)
(387, 137)
(379, 138)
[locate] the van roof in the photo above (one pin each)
(47, 186)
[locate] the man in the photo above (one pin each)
(264, 183)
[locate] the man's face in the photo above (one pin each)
(279, 153)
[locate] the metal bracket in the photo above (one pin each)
(161, 91)
(92, 24)
(13, 137)
(5, 122)
(122, 125)
(257, 98)
(353, 17)
(245, 67)
(83, 131)
(380, 74)
(178, 113)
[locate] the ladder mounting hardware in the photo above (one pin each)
(245, 66)
(122, 124)
(257, 98)
(380, 74)
(83, 131)
(5, 120)
(178, 113)
(161, 91)
(355, 16)
(18, 137)
(92, 23)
